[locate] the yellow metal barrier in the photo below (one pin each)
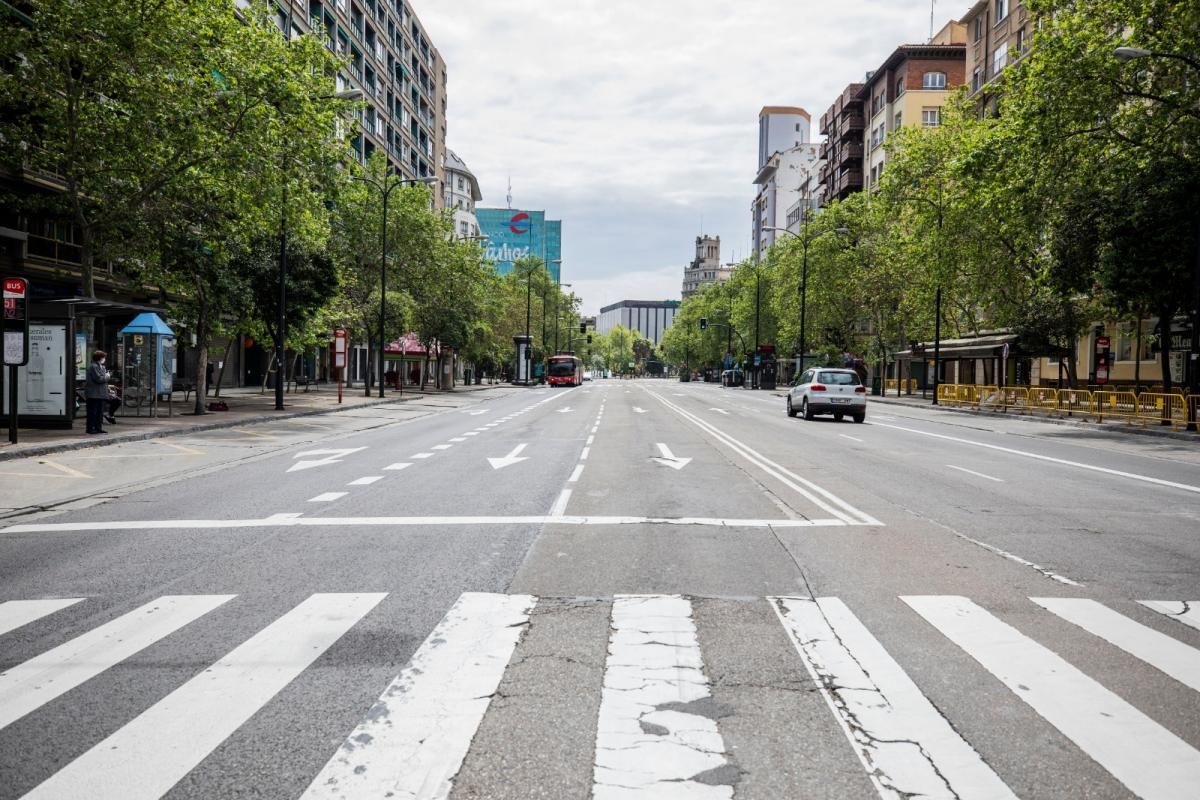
(890, 384)
(1043, 399)
(1074, 401)
(1157, 408)
(947, 393)
(1107, 403)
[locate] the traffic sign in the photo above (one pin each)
(339, 348)
(16, 322)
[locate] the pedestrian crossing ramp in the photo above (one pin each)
(654, 734)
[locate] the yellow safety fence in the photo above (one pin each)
(891, 385)
(1145, 408)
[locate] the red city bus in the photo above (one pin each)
(564, 371)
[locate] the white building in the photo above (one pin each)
(461, 195)
(651, 318)
(787, 160)
(706, 267)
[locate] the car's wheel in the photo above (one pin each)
(805, 410)
(860, 417)
(837, 417)
(791, 411)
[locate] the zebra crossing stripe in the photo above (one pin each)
(413, 740)
(39, 680)
(1157, 649)
(643, 747)
(151, 753)
(1151, 761)
(1186, 611)
(907, 747)
(15, 613)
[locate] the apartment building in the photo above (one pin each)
(461, 194)
(998, 32)
(706, 267)
(781, 130)
(392, 60)
(781, 183)
(840, 170)
(909, 89)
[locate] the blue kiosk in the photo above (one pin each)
(147, 366)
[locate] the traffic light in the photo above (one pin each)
(589, 338)
(583, 327)
(703, 324)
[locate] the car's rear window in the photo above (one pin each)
(838, 378)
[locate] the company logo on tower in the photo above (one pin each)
(519, 223)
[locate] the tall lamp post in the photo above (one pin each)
(385, 188)
(805, 240)
(1126, 54)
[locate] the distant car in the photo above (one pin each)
(828, 391)
(732, 377)
(587, 374)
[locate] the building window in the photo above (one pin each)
(899, 87)
(975, 80)
(462, 227)
(1022, 44)
(933, 80)
(931, 117)
(1127, 342)
(896, 126)
(1001, 10)
(460, 184)
(797, 127)
(979, 27)
(999, 59)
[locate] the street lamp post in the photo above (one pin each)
(385, 189)
(1126, 54)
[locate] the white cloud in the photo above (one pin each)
(632, 120)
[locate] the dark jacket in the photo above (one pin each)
(97, 382)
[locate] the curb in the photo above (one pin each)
(83, 444)
(1113, 428)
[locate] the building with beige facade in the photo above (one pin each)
(998, 33)
(706, 267)
(909, 89)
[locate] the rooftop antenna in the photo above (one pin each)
(932, 3)
(509, 195)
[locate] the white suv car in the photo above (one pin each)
(828, 391)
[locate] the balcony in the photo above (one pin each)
(850, 125)
(849, 151)
(849, 181)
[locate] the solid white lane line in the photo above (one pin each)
(15, 613)
(976, 474)
(327, 497)
(421, 455)
(822, 498)
(413, 740)
(441, 447)
(851, 438)
(1054, 576)
(399, 465)
(560, 505)
(365, 481)
(150, 754)
(39, 680)
(1157, 649)
(1185, 611)
(1050, 459)
(897, 733)
(575, 475)
(1116, 735)
(584, 453)
(654, 660)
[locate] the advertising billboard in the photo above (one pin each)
(514, 233)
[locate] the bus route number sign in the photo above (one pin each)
(16, 322)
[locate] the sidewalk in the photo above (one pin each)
(247, 405)
(1117, 425)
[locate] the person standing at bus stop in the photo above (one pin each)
(96, 392)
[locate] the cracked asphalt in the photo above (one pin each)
(568, 496)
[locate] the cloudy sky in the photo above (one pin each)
(635, 121)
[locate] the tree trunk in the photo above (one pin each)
(201, 373)
(1164, 332)
(370, 370)
(221, 372)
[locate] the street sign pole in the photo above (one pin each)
(16, 342)
(339, 357)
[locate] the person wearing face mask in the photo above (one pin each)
(96, 392)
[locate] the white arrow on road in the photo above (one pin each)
(330, 457)
(670, 460)
(637, 410)
(510, 459)
(564, 410)
(720, 411)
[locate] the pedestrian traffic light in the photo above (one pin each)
(703, 324)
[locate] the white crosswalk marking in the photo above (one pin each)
(413, 740)
(1147, 758)
(15, 613)
(39, 680)
(1186, 611)
(1157, 649)
(906, 746)
(643, 749)
(148, 756)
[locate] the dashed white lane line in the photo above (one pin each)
(594, 429)
(399, 465)
(583, 455)
(327, 497)
(470, 433)
(575, 475)
(1054, 576)
(421, 455)
(365, 481)
(459, 439)
(851, 438)
(591, 439)
(442, 447)
(976, 474)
